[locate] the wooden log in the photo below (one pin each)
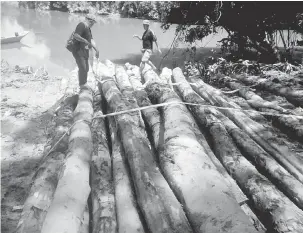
(85, 227)
(160, 207)
(126, 89)
(73, 188)
(103, 198)
(151, 115)
(209, 206)
(290, 186)
(293, 96)
(264, 136)
(279, 213)
(290, 125)
(128, 218)
(46, 178)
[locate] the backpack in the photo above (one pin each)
(71, 43)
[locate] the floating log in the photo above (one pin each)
(290, 125)
(46, 178)
(279, 213)
(293, 96)
(209, 205)
(103, 199)
(160, 208)
(290, 186)
(68, 206)
(128, 218)
(264, 136)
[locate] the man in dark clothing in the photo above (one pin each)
(147, 42)
(85, 42)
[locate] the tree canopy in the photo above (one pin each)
(249, 24)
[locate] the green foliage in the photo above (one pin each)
(250, 25)
(136, 9)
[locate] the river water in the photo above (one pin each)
(45, 44)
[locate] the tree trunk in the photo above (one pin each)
(160, 208)
(293, 96)
(46, 178)
(103, 199)
(288, 124)
(67, 208)
(262, 135)
(128, 218)
(151, 115)
(274, 206)
(185, 164)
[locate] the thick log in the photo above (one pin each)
(293, 96)
(126, 89)
(264, 136)
(291, 125)
(279, 213)
(67, 208)
(85, 228)
(210, 205)
(103, 198)
(290, 186)
(151, 115)
(128, 218)
(46, 178)
(160, 207)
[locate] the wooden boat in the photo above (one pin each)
(13, 39)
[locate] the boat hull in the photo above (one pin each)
(14, 39)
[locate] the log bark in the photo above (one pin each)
(293, 96)
(73, 188)
(160, 208)
(103, 199)
(264, 136)
(46, 178)
(128, 217)
(209, 206)
(290, 125)
(85, 227)
(279, 213)
(151, 115)
(290, 186)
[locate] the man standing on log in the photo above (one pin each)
(85, 42)
(147, 41)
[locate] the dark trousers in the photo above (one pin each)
(82, 63)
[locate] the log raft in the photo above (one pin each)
(293, 96)
(291, 125)
(264, 136)
(279, 213)
(185, 163)
(159, 206)
(290, 186)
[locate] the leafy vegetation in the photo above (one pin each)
(252, 27)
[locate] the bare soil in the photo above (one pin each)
(25, 119)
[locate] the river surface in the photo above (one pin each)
(45, 44)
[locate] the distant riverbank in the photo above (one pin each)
(129, 9)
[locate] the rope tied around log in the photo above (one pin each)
(156, 106)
